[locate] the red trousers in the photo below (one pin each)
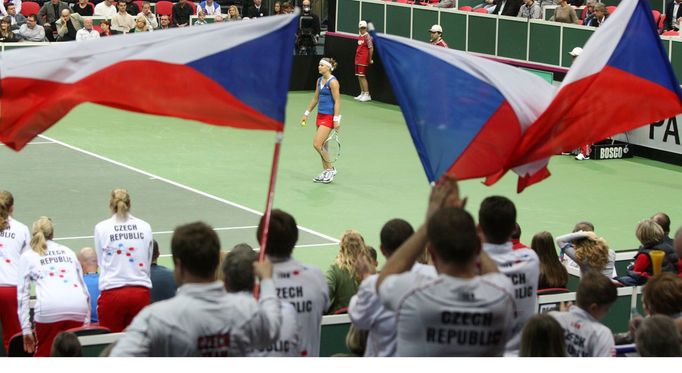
(8, 314)
(46, 333)
(116, 308)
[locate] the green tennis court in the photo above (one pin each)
(180, 171)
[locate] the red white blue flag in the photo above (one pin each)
(473, 117)
(230, 74)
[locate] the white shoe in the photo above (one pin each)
(581, 157)
(359, 96)
(328, 176)
(320, 177)
(333, 171)
(365, 98)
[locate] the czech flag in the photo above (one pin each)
(473, 117)
(229, 74)
(622, 80)
(465, 113)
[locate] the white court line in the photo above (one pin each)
(258, 248)
(160, 232)
(35, 143)
(182, 186)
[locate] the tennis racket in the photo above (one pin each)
(332, 147)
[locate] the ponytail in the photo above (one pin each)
(120, 203)
(6, 203)
(42, 231)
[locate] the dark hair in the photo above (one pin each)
(552, 273)
(595, 288)
(34, 16)
(663, 220)
(155, 251)
(238, 268)
(516, 233)
(657, 336)
(584, 226)
(542, 336)
(497, 217)
(282, 234)
(452, 234)
(662, 294)
(106, 21)
(393, 234)
(66, 344)
(197, 247)
(372, 253)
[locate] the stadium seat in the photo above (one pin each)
(671, 33)
(341, 311)
(661, 22)
(83, 331)
(194, 7)
(466, 8)
(553, 291)
(481, 10)
(139, 5)
(16, 343)
(405, 1)
(657, 15)
(164, 8)
(583, 14)
(611, 9)
(29, 7)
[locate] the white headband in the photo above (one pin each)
(326, 63)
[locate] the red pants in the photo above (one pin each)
(8, 314)
(46, 333)
(116, 308)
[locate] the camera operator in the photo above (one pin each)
(309, 30)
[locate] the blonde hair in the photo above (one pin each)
(649, 232)
(6, 203)
(42, 230)
(594, 253)
(236, 11)
(351, 247)
(331, 61)
(120, 203)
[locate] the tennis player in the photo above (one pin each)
(62, 301)
(124, 246)
(363, 58)
(14, 240)
(328, 115)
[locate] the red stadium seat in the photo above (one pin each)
(405, 1)
(583, 13)
(139, 5)
(657, 15)
(164, 8)
(611, 9)
(341, 311)
(553, 291)
(671, 33)
(29, 7)
(466, 8)
(661, 22)
(481, 10)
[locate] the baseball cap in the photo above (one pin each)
(576, 52)
(436, 28)
(362, 24)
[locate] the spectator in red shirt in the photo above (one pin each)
(363, 58)
(516, 238)
(437, 36)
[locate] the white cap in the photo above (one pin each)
(576, 52)
(436, 28)
(362, 24)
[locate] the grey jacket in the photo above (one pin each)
(204, 320)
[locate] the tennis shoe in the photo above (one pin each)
(366, 97)
(332, 171)
(328, 177)
(359, 96)
(581, 157)
(320, 177)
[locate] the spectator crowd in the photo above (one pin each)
(454, 286)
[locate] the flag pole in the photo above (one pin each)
(268, 205)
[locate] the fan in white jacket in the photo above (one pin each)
(62, 300)
(14, 240)
(202, 319)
